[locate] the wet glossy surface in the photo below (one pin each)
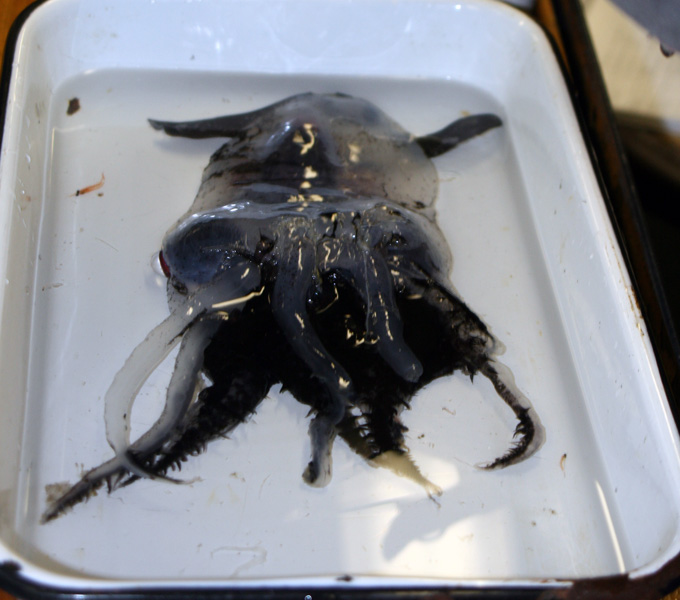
(538, 235)
(310, 258)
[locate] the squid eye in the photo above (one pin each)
(164, 265)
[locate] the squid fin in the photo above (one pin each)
(226, 126)
(439, 142)
(229, 126)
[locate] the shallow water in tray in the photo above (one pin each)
(247, 513)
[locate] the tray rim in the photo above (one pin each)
(566, 28)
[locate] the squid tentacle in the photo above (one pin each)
(239, 380)
(218, 410)
(86, 487)
(129, 380)
(472, 334)
(119, 400)
(146, 357)
(131, 458)
(289, 304)
(386, 321)
(530, 431)
(368, 274)
(296, 267)
(181, 392)
(396, 459)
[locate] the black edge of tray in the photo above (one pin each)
(618, 186)
(8, 59)
(12, 580)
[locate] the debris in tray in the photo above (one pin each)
(91, 188)
(73, 106)
(51, 286)
(563, 461)
(56, 490)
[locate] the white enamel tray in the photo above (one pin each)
(534, 256)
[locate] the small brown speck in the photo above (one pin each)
(563, 461)
(73, 106)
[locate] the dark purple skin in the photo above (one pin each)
(313, 235)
